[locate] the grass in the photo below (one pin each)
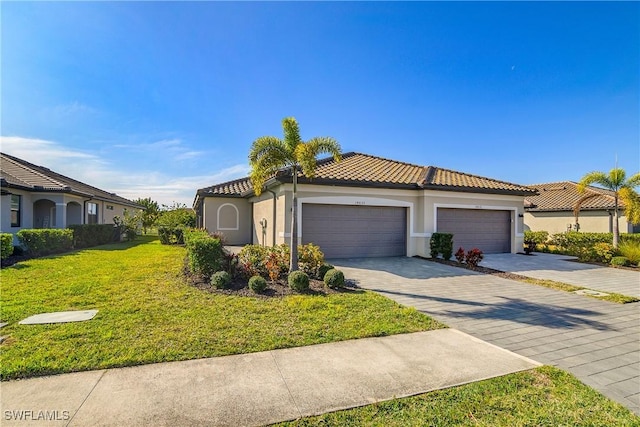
(543, 396)
(611, 297)
(147, 313)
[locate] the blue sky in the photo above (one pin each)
(158, 99)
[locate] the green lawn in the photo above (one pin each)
(147, 313)
(544, 396)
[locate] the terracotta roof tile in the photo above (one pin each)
(363, 170)
(562, 196)
(237, 187)
(16, 172)
(451, 180)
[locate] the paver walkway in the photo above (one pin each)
(597, 341)
(259, 388)
(562, 269)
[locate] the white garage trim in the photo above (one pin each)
(358, 201)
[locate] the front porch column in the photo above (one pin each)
(61, 215)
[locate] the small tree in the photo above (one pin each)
(617, 182)
(150, 213)
(269, 154)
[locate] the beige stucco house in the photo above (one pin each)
(366, 206)
(37, 197)
(551, 209)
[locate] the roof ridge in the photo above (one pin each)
(387, 160)
(24, 164)
(477, 176)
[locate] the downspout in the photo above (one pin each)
(273, 221)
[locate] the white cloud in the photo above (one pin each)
(106, 174)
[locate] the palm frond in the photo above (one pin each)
(291, 133)
(308, 153)
(596, 177)
(633, 181)
(267, 155)
(631, 201)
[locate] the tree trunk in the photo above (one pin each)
(293, 261)
(616, 232)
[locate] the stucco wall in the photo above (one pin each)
(217, 212)
(55, 210)
(590, 222)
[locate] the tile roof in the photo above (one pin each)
(563, 195)
(18, 173)
(363, 170)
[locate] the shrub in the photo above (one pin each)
(6, 245)
(272, 265)
(176, 216)
(629, 237)
(441, 243)
(603, 252)
(220, 280)
(334, 279)
(298, 281)
(473, 258)
(127, 225)
(631, 250)
(581, 244)
(257, 284)
(45, 241)
(619, 261)
(310, 259)
(537, 237)
(171, 235)
(231, 263)
(204, 252)
(323, 270)
(434, 245)
(89, 235)
(460, 255)
(252, 258)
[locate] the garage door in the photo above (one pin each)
(487, 230)
(355, 231)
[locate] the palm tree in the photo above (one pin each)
(617, 182)
(269, 154)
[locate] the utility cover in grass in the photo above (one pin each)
(590, 292)
(59, 317)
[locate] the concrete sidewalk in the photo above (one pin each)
(260, 388)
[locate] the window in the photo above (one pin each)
(92, 213)
(16, 210)
(109, 207)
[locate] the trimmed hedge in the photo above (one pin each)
(205, 253)
(39, 242)
(298, 281)
(6, 245)
(220, 280)
(257, 284)
(334, 279)
(584, 245)
(441, 243)
(89, 235)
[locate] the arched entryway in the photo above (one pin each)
(74, 213)
(44, 214)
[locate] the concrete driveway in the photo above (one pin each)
(597, 341)
(562, 268)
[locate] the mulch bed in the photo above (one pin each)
(240, 286)
(479, 269)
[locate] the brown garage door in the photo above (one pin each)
(487, 230)
(355, 231)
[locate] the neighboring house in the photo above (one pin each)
(365, 206)
(36, 197)
(552, 209)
